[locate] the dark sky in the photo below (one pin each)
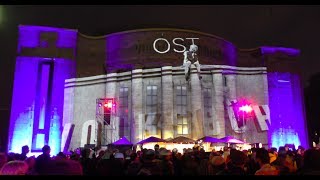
(247, 26)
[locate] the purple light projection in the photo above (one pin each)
(29, 36)
(22, 111)
(286, 111)
(27, 87)
(113, 61)
(272, 50)
(229, 51)
(42, 105)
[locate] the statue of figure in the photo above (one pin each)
(191, 57)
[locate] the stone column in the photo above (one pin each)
(232, 86)
(111, 91)
(196, 106)
(231, 96)
(265, 100)
(217, 104)
(137, 106)
(167, 102)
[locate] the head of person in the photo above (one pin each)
(46, 149)
(156, 147)
(218, 162)
(15, 167)
(237, 157)
(25, 149)
(262, 156)
(3, 159)
(193, 48)
(286, 147)
(31, 161)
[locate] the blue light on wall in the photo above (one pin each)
(286, 111)
(37, 119)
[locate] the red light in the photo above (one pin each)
(246, 108)
(108, 104)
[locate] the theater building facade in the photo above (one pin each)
(63, 80)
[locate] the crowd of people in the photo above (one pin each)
(160, 161)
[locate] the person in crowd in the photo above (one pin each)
(149, 166)
(15, 167)
(43, 160)
(216, 165)
(157, 151)
(166, 163)
(263, 159)
(236, 163)
(311, 162)
(3, 159)
(24, 151)
(299, 157)
(31, 161)
(63, 167)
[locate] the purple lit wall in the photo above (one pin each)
(37, 102)
(29, 36)
(229, 51)
(288, 124)
(21, 119)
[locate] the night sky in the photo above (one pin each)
(246, 26)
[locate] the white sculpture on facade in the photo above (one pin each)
(191, 57)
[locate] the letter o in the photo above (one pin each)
(154, 45)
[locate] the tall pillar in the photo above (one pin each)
(167, 102)
(232, 86)
(112, 130)
(196, 106)
(217, 104)
(231, 96)
(137, 106)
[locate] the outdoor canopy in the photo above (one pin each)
(210, 139)
(182, 139)
(122, 141)
(151, 139)
(230, 139)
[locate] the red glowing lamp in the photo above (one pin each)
(109, 104)
(246, 108)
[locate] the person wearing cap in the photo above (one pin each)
(191, 57)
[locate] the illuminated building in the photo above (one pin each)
(61, 75)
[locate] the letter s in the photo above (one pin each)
(174, 42)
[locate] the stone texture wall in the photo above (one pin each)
(226, 83)
(86, 92)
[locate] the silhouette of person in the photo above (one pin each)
(24, 151)
(191, 57)
(43, 160)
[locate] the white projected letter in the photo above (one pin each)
(154, 45)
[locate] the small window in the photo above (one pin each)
(182, 125)
(207, 99)
(152, 99)
(181, 100)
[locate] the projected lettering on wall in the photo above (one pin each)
(162, 45)
(261, 112)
